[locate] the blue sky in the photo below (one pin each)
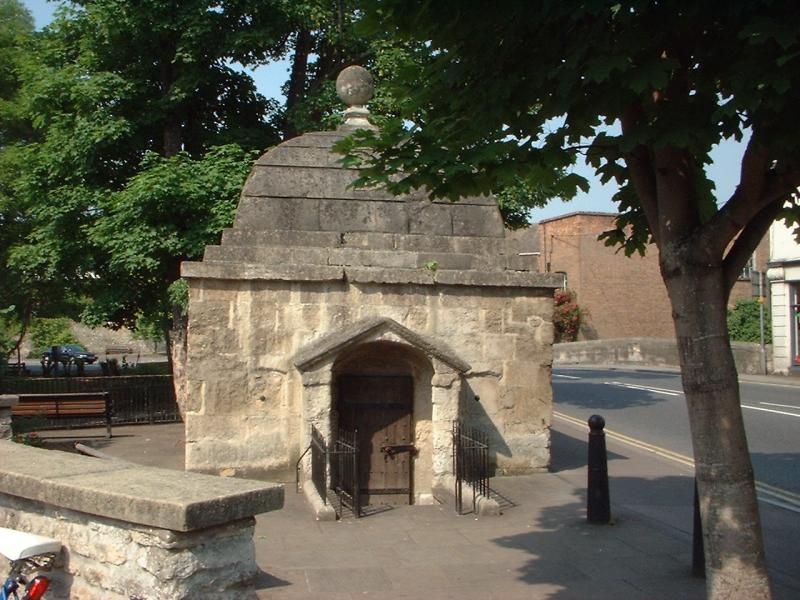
(724, 171)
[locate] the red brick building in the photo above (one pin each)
(625, 296)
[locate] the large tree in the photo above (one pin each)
(643, 90)
(16, 301)
(104, 86)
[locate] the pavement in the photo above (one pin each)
(539, 547)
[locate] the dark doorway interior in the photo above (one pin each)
(380, 408)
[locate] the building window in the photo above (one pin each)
(747, 272)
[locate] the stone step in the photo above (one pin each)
(297, 209)
(371, 240)
(356, 257)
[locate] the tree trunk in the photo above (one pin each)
(171, 133)
(297, 80)
(734, 549)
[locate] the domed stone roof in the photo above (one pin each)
(298, 209)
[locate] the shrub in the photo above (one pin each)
(744, 323)
(44, 333)
(567, 316)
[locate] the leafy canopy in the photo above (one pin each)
(165, 214)
(517, 92)
(100, 91)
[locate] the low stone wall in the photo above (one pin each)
(135, 532)
(652, 352)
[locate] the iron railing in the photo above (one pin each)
(341, 462)
(470, 463)
(344, 471)
(135, 399)
(319, 463)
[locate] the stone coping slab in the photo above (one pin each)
(162, 498)
(250, 271)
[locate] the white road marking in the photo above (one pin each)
(794, 406)
(565, 376)
(654, 390)
(769, 410)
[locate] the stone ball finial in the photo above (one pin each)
(355, 86)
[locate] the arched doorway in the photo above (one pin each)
(381, 391)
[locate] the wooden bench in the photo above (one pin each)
(65, 406)
(119, 351)
(124, 353)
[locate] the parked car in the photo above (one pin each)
(69, 351)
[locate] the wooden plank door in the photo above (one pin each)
(380, 408)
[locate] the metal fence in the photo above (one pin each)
(344, 471)
(135, 399)
(470, 463)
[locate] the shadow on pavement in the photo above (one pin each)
(568, 453)
(561, 556)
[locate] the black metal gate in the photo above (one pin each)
(470, 463)
(344, 471)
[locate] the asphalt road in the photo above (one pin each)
(649, 408)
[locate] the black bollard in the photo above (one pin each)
(598, 501)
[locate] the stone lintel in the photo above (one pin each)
(335, 342)
(162, 498)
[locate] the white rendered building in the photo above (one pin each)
(784, 279)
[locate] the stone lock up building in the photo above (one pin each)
(350, 309)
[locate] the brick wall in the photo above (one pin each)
(625, 296)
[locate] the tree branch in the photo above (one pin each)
(747, 242)
(675, 171)
(746, 201)
(640, 166)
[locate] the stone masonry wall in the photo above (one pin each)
(106, 559)
(243, 336)
(133, 532)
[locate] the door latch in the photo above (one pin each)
(392, 449)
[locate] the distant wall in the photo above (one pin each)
(134, 532)
(653, 352)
